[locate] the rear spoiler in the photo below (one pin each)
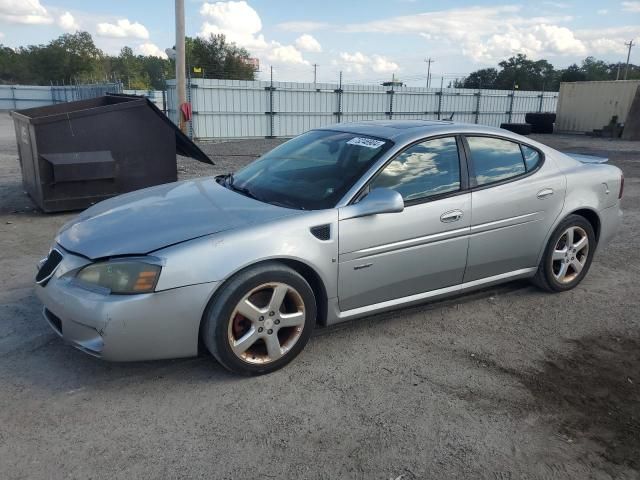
(587, 158)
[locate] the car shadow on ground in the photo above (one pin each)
(47, 362)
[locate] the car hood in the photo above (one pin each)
(146, 220)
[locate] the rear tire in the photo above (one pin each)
(567, 256)
(260, 319)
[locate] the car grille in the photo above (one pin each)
(49, 266)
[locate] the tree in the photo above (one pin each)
(573, 73)
(483, 78)
(218, 58)
(526, 74)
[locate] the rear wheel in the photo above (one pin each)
(568, 255)
(260, 319)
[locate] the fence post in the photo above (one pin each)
(440, 97)
(164, 101)
(479, 94)
(13, 96)
(513, 96)
(190, 126)
(271, 113)
(541, 98)
(390, 93)
(338, 113)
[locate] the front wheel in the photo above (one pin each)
(568, 255)
(260, 319)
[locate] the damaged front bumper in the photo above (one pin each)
(147, 326)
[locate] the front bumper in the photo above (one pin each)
(124, 327)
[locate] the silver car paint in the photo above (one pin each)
(506, 235)
(166, 324)
(382, 257)
(145, 220)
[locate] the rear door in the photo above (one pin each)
(516, 197)
(389, 256)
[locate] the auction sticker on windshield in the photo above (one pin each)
(365, 142)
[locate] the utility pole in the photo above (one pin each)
(630, 45)
(428, 61)
(181, 74)
(315, 71)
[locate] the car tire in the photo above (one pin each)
(574, 261)
(242, 314)
(541, 122)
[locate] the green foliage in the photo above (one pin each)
(218, 59)
(75, 58)
(525, 74)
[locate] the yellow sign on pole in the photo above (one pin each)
(197, 69)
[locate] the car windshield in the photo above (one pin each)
(312, 171)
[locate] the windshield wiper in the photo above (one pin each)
(227, 181)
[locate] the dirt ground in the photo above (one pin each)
(507, 383)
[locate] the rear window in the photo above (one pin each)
(495, 160)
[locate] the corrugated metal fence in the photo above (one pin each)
(17, 97)
(158, 97)
(241, 109)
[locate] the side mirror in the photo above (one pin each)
(379, 200)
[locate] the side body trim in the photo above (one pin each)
(336, 316)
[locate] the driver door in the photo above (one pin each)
(389, 256)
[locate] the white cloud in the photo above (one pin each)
(359, 62)
(608, 40)
(150, 49)
(602, 11)
(24, 11)
(67, 22)
(241, 24)
(237, 21)
(1, 35)
(536, 41)
(307, 43)
(489, 34)
(123, 28)
(631, 7)
(286, 54)
(383, 64)
(302, 26)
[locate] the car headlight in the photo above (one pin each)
(122, 276)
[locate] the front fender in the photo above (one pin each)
(214, 258)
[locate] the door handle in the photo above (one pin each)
(547, 192)
(452, 216)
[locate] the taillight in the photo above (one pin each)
(621, 185)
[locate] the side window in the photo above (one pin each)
(531, 157)
(425, 169)
(495, 159)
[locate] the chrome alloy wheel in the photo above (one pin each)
(570, 254)
(266, 323)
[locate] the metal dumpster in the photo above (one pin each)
(75, 154)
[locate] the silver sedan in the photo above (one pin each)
(338, 223)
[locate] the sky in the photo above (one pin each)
(368, 41)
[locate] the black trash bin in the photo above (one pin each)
(75, 154)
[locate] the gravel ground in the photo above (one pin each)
(507, 383)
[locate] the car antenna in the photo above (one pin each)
(451, 117)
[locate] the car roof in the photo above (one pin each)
(400, 131)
